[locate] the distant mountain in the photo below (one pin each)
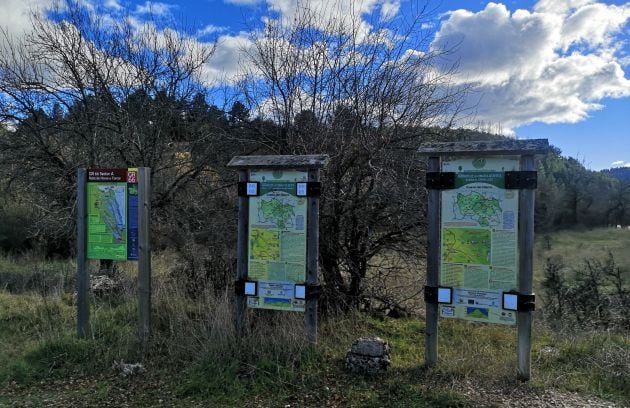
(621, 173)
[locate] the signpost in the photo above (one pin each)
(277, 249)
(112, 211)
(112, 224)
(480, 237)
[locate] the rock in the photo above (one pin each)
(368, 355)
(127, 370)
(103, 285)
(370, 346)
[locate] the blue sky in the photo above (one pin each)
(556, 69)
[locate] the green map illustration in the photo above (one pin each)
(466, 246)
(478, 207)
(264, 245)
(277, 239)
(107, 221)
(277, 208)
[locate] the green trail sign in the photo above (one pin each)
(480, 237)
(277, 239)
(112, 214)
(278, 243)
(479, 253)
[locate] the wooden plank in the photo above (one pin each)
(83, 275)
(241, 255)
(144, 252)
(485, 148)
(312, 261)
(312, 161)
(433, 268)
(525, 275)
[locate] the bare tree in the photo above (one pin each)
(367, 95)
(81, 91)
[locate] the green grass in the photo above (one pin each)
(195, 358)
(575, 246)
(272, 365)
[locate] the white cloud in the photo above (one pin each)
(113, 5)
(322, 14)
(209, 29)
(225, 64)
(328, 13)
(620, 163)
(389, 9)
(594, 24)
(560, 6)
(243, 2)
(15, 15)
(155, 8)
(554, 64)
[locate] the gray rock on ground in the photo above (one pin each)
(368, 355)
(128, 370)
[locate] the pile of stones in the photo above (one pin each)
(368, 355)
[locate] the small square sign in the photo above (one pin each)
(300, 189)
(445, 295)
(300, 291)
(510, 301)
(250, 288)
(252, 189)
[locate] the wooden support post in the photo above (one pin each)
(433, 268)
(83, 275)
(525, 275)
(312, 258)
(144, 252)
(241, 255)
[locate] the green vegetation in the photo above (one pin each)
(194, 356)
(575, 246)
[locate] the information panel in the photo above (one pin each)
(277, 240)
(479, 253)
(112, 214)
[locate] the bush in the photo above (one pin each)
(598, 298)
(15, 224)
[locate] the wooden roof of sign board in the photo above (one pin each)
(309, 161)
(485, 147)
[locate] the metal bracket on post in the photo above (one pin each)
(521, 180)
(246, 287)
(308, 189)
(440, 180)
(518, 302)
(307, 292)
(248, 188)
(434, 295)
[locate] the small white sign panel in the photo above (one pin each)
(445, 295)
(300, 292)
(250, 288)
(252, 189)
(510, 301)
(301, 189)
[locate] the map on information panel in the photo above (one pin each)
(112, 214)
(277, 240)
(479, 254)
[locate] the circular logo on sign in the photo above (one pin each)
(479, 163)
(277, 174)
